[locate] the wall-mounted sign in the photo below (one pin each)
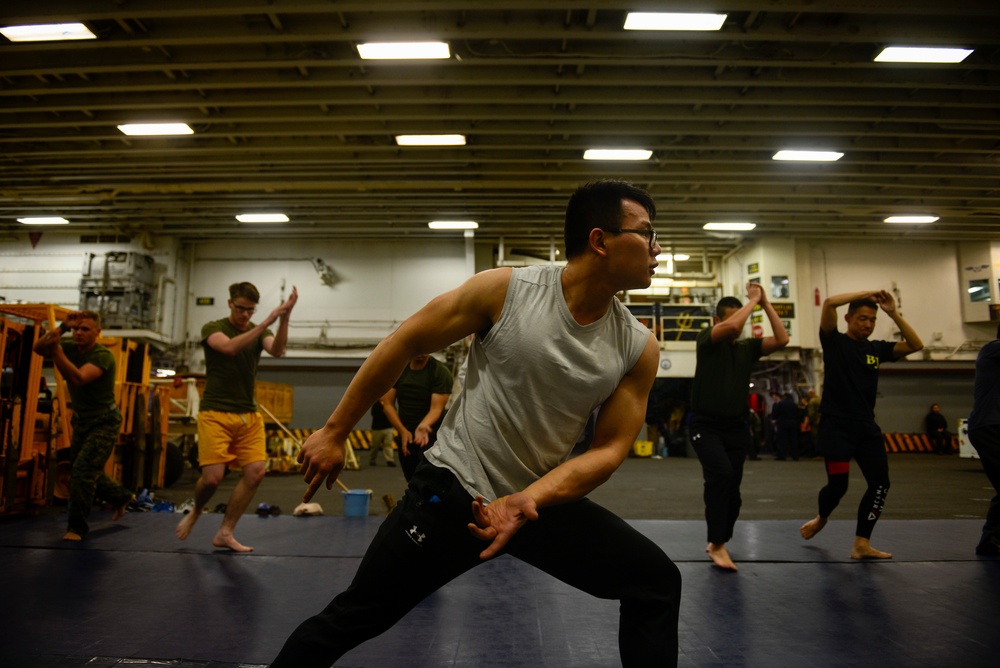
(753, 268)
(784, 309)
(204, 301)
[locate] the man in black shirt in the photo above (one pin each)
(720, 395)
(936, 428)
(785, 414)
(848, 429)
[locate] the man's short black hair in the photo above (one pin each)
(726, 303)
(858, 303)
(598, 204)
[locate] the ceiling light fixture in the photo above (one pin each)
(404, 51)
(453, 225)
(43, 220)
(262, 218)
(921, 54)
(675, 257)
(729, 227)
(617, 154)
(673, 21)
(47, 33)
(808, 156)
(914, 219)
(155, 129)
(430, 140)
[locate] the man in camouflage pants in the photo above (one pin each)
(89, 371)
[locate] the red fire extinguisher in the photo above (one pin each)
(816, 296)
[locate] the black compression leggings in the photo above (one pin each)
(875, 469)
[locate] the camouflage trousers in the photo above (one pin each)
(93, 441)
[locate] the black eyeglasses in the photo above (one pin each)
(244, 309)
(650, 235)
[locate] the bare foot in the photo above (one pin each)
(864, 550)
(120, 510)
(228, 541)
(73, 536)
(812, 527)
(720, 556)
(184, 527)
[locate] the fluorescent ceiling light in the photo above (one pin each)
(262, 218)
(430, 140)
(920, 54)
(672, 21)
(453, 225)
(616, 154)
(676, 257)
(913, 219)
(403, 50)
(43, 220)
(47, 33)
(729, 227)
(155, 129)
(808, 156)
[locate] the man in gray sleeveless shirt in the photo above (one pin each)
(551, 345)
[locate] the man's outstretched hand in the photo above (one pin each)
(322, 459)
(497, 522)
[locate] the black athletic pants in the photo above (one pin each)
(721, 446)
(580, 543)
(840, 439)
(986, 441)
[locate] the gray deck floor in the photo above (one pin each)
(132, 594)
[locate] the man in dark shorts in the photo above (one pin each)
(848, 429)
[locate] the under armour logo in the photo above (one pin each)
(696, 437)
(416, 536)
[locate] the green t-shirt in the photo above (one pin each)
(98, 396)
(721, 384)
(229, 382)
(414, 390)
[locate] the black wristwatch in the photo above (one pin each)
(63, 327)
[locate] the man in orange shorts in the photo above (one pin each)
(230, 430)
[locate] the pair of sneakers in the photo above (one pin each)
(163, 507)
(265, 510)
